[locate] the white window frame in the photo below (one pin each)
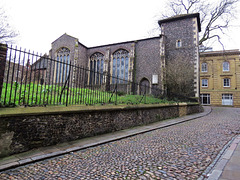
(228, 97)
(204, 82)
(204, 67)
(226, 84)
(226, 66)
(205, 96)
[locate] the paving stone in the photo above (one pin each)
(235, 159)
(29, 154)
(215, 175)
(221, 164)
(49, 150)
(7, 160)
(238, 147)
(233, 166)
(228, 154)
(231, 175)
(232, 146)
(236, 154)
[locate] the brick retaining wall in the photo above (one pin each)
(24, 132)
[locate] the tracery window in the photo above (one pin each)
(120, 66)
(62, 64)
(96, 69)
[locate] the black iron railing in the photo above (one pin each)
(37, 80)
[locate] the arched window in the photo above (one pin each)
(204, 67)
(62, 64)
(225, 66)
(96, 68)
(120, 66)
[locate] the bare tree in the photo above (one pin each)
(180, 76)
(216, 17)
(7, 34)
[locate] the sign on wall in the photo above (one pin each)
(155, 79)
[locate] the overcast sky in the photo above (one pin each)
(93, 22)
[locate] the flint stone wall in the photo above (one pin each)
(25, 132)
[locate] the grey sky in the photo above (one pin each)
(93, 22)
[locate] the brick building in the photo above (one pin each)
(220, 78)
(141, 61)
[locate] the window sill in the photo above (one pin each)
(227, 74)
(205, 75)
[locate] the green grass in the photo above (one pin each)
(35, 95)
(137, 99)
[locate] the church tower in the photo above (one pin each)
(180, 34)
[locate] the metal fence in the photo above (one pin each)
(37, 80)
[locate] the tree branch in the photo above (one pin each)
(7, 34)
(215, 17)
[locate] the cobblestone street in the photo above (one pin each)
(182, 151)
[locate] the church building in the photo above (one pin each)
(141, 61)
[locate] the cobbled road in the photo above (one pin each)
(180, 151)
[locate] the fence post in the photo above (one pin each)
(145, 94)
(3, 56)
(116, 90)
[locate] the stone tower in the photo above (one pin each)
(181, 54)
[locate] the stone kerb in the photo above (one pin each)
(3, 55)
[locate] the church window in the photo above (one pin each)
(114, 71)
(96, 68)
(62, 65)
(120, 66)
